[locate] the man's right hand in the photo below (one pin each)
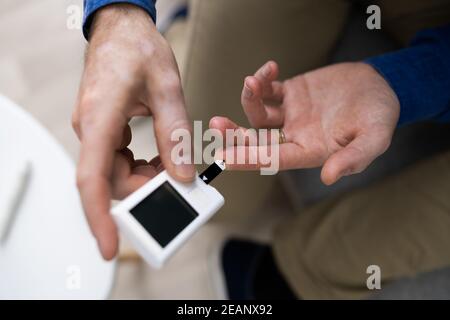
(129, 71)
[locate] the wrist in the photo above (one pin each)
(120, 16)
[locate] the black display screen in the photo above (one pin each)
(164, 214)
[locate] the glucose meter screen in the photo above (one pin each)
(164, 214)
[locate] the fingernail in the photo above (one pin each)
(247, 92)
(185, 171)
(266, 71)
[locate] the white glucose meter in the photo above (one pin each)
(160, 216)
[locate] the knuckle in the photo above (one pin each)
(75, 121)
(171, 82)
(88, 102)
(88, 110)
(146, 49)
(179, 124)
(82, 179)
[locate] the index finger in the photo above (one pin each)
(101, 136)
(169, 113)
(275, 156)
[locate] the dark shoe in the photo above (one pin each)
(251, 273)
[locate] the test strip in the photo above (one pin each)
(212, 171)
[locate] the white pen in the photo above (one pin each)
(13, 184)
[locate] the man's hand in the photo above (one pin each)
(129, 71)
(342, 117)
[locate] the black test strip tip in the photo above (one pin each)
(212, 171)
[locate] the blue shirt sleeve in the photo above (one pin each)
(91, 6)
(420, 76)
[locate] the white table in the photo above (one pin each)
(49, 252)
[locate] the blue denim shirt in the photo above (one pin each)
(90, 6)
(419, 74)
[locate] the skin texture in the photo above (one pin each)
(340, 117)
(129, 71)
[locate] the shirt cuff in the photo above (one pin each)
(91, 6)
(419, 77)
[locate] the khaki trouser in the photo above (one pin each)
(401, 224)
(324, 252)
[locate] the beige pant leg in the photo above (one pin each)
(230, 39)
(402, 225)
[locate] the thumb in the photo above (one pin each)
(354, 158)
